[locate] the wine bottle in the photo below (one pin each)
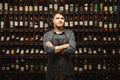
(115, 6)
(17, 66)
(35, 5)
(12, 51)
(104, 65)
(105, 5)
(101, 6)
(5, 6)
(96, 21)
(85, 65)
(91, 18)
(80, 64)
(81, 5)
(21, 22)
(105, 22)
(86, 17)
(100, 21)
(16, 8)
(76, 21)
(11, 21)
(91, 6)
(41, 23)
(71, 23)
(110, 6)
(115, 21)
(75, 64)
(110, 25)
(81, 21)
(16, 21)
(26, 21)
(26, 6)
(22, 65)
(85, 5)
(21, 5)
(1, 7)
(1, 22)
(96, 5)
(40, 6)
(80, 50)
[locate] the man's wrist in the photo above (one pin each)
(66, 45)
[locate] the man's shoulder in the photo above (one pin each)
(49, 32)
(68, 31)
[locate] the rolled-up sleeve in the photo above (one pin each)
(47, 49)
(72, 44)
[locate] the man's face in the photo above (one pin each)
(58, 20)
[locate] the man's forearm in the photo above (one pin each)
(57, 48)
(61, 47)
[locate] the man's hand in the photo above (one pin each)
(48, 43)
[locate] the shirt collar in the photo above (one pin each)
(60, 33)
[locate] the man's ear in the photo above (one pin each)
(52, 20)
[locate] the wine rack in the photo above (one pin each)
(96, 25)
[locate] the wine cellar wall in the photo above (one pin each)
(95, 23)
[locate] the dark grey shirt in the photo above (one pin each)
(67, 36)
(59, 63)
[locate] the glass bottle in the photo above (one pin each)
(85, 5)
(100, 21)
(85, 65)
(5, 6)
(21, 24)
(115, 6)
(1, 22)
(91, 6)
(35, 5)
(86, 17)
(16, 8)
(17, 66)
(81, 21)
(110, 6)
(11, 21)
(91, 17)
(75, 64)
(105, 5)
(21, 5)
(1, 7)
(101, 6)
(110, 25)
(96, 5)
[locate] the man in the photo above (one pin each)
(59, 44)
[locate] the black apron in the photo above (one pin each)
(59, 65)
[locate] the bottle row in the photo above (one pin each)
(93, 65)
(113, 36)
(41, 66)
(67, 5)
(22, 50)
(23, 65)
(81, 50)
(21, 36)
(97, 36)
(98, 50)
(105, 21)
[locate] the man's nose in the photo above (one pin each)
(60, 19)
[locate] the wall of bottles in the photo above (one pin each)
(96, 24)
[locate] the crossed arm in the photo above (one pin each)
(63, 49)
(57, 48)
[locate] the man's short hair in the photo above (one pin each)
(58, 12)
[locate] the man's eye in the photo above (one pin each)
(60, 18)
(57, 18)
